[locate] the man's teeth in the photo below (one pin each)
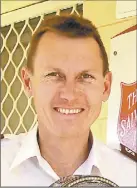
(69, 111)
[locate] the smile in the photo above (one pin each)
(69, 111)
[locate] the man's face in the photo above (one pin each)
(67, 84)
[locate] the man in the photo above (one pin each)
(67, 73)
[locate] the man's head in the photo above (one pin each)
(71, 26)
(67, 74)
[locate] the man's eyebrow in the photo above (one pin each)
(58, 69)
(55, 69)
(86, 71)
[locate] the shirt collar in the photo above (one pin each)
(91, 162)
(29, 148)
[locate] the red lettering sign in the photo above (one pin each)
(127, 121)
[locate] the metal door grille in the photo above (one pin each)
(17, 110)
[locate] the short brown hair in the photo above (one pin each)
(67, 25)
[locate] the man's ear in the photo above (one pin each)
(107, 86)
(26, 78)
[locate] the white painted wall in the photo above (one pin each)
(32, 11)
(7, 6)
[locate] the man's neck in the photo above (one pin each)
(64, 155)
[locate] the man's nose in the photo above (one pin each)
(68, 91)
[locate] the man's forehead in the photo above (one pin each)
(57, 38)
(57, 51)
(65, 48)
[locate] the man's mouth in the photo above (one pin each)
(69, 111)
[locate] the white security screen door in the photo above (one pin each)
(17, 111)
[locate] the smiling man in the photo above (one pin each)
(67, 73)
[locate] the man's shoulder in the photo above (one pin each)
(11, 139)
(10, 145)
(116, 166)
(107, 151)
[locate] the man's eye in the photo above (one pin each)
(86, 76)
(54, 74)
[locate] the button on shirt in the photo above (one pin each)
(23, 165)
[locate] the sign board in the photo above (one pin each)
(122, 120)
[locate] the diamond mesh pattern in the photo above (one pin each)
(17, 110)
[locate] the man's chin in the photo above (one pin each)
(69, 128)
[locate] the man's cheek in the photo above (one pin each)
(94, 99)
